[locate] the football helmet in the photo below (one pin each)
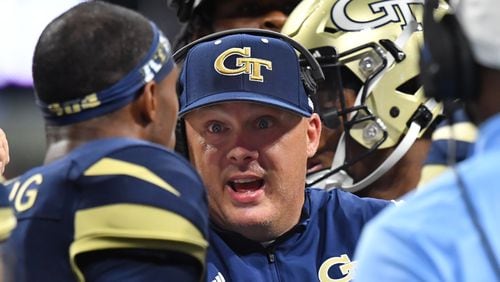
(374, 47)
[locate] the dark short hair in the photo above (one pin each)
(201, 17)
(87, 49)
(199, 24)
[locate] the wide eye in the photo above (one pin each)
(264, 122)
(215, 127)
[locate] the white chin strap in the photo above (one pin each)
(345, 182)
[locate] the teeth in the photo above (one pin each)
(243, 180)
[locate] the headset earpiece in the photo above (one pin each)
(310, 84)
(178, 87)
(180, 128)
(180, 138)
(448, 70)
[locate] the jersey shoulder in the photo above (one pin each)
(121, 194)
(141, 195)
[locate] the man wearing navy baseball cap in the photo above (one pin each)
(249, 129)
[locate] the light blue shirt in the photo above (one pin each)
(431, 237)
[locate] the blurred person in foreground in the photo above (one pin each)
(111, 202)
(378, 121)
(448, 231)
(249, 128)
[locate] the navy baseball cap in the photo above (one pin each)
(243, 67)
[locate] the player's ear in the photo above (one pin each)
(313, 134)
(145, 107)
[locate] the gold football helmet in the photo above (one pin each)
(374, 47)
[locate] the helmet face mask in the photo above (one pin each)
(378, 45)
(366, 63)
(369, 60)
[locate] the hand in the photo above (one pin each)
(4, 152)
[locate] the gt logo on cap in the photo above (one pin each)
(246, 64)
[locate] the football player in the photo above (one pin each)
(379, 116)
(111, 202)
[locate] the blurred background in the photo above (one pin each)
(21, 22)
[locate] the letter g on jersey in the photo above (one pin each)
(343, 263)
(245, 64)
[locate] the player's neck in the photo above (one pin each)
(57, 150)
(63, 139)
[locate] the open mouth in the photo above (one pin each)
(246, 185)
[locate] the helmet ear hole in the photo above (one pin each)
(411, 86)
(350, 80)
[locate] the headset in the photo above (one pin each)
(310, 73)
(448, 69)
(449, 72)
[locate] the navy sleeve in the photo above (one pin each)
(139, 265)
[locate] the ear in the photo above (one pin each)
(145, 108)
(313, 134)
(350, 97)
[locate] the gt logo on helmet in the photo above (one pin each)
(390, 10)
(246, 64)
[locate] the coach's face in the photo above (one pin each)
(252, 159)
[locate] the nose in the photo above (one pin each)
(273, 20)
(242, 154)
